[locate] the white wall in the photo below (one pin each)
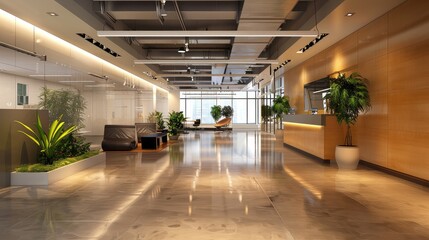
(8, 90)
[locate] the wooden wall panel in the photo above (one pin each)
(392, 52)
(408, 153)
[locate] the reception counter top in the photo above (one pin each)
(315, 134)
(316, 119)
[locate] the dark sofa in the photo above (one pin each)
(119, 138)
(143, 129)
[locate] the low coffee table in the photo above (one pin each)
(153, 141)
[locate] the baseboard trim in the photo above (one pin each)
(309, 155)
(395, 173)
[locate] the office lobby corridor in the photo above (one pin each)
(218, 185)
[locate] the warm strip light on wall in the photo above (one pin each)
(302, 125)
(50, 75)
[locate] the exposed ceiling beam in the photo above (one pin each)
(205, 61)
(207, 75)
(253, 34)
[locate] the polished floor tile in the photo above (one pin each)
(218, 185)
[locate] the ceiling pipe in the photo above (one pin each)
(179, 15)
(205, 61)
(169, 34)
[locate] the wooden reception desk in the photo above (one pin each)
(315, 134)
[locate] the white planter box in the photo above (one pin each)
(46, 178)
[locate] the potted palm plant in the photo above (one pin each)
(175, 124)
(348, 97)
(280, 106)
(160, 122)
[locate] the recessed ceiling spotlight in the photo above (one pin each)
(349, 14)
(52, 14)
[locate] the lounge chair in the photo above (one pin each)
(223, 123)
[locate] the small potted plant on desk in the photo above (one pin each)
(348, 97)
(175, 124)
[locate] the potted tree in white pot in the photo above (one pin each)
(348, 97)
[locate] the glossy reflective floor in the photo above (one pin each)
(218, 185)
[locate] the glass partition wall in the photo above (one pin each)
(112, 95)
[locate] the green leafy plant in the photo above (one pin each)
(280, 106)
(158, 118)
(266, 113)
(56, 164)
(66, 103)
(71, 146)
(48, 142)
(348, 97)
(151, 118)
(175, 122)
(160, 122)
(216, 112)
(227, 111)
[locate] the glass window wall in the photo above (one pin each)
(197, 105)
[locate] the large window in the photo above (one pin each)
(197, 105)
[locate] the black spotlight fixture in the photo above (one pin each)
(312, 43)
(282, 65)
(98, 44)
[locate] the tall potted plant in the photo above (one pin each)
(216, 112)
(280, 106)
(348, 97)
(160, 123)
(175, 124)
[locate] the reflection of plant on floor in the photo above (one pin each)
(176, 153)
(48, 142)
(66, 103)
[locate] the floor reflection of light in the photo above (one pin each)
(306, 185)
(189, 210)
(240, 197)
(246, 210)
(219, 163)
(190, 198)
(127, 202)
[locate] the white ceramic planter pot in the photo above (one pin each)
(174, 137)
(347, 157)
